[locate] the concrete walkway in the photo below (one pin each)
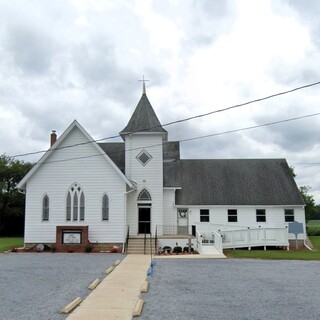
(117, 295)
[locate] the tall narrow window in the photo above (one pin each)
(75, 207)
(204, 215)
(75, 204)
(232, 215)
(45, 208)
(69, 206)
(105, 208)
(82, 207)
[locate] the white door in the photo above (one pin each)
(182, 221)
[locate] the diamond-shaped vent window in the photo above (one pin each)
(144, 157)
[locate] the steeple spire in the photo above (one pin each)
(143, 85)
(144, 119)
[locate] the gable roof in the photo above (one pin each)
(143, 119)
(75, 123)
(237, 182)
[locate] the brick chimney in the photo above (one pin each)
(53, 137)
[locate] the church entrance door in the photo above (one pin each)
(144, 219)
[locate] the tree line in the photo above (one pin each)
(12, 202)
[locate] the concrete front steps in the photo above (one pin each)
(136, 246)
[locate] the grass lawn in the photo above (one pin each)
(9, 243)
(313, 223)
(278, 254)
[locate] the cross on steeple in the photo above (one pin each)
(143, 85)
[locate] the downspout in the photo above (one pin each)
(304, 242)
(125, 217)
(305, 230)
(24, 235)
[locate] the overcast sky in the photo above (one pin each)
(64, 60)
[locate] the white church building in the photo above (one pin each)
(82, 193)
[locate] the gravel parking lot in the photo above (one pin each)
(233, 289)
(37, 286)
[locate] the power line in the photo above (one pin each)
(190, 139)
(181, 120)
(252, 127)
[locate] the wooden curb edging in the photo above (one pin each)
(117, 262)
(94, 284)
(109, 270)
(138, 308)
(145, 287)
(72, 305)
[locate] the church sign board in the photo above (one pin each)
(71, 236)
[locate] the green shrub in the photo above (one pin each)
(186, 249)
(167, 248)
(177, 249)
(313, 231)
(88, 249)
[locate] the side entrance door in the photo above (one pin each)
(183, 221)
(144, 216)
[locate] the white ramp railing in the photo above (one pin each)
(253, 237)
(206, 240)
(243, 237)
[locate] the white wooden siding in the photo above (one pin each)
(246, 217)
(169, 210)
(149, 176)
(95, 176)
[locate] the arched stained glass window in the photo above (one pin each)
(144, 195)
(45, 208)
(82, 207)
(75, 207)
(75, 204)
(105, 208)
(69, 206)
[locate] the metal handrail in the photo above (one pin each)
(156, 241)
(127, 240)
(145, 241)
(175, 230)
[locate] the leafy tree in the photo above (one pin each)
(11, 200)
(310, 208)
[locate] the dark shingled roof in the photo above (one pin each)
(171, 164)
(144, 119)
(115, 150)
(171, 151)
(172, 174)
(237, 182)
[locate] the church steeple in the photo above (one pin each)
(144, 119)
(143, 84)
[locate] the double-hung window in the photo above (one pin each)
(261, 215)
(232, 215)
(288, 215)
(204, 215)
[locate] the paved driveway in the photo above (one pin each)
(37, 286)
(233, 289)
